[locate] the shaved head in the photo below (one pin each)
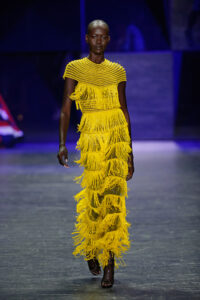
(97, 23)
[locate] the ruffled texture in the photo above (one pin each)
(104, 145)
(90, 98)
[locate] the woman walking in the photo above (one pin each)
(97, 86)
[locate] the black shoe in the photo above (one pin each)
(108, 276)
(94, 266)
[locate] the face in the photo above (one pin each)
(98, 39)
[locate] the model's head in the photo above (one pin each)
(97, 23)
(97, 36)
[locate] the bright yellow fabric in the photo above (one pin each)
(84, 70)
(104, 145)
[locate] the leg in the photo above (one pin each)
(94, 266)
(108, 276)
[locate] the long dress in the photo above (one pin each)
(104, 145)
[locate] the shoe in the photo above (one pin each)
(108, 276)
(94, 266)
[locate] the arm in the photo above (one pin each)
(122, 100)
(69, 88)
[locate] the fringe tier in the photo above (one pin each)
(104, 145)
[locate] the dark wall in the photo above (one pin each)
(38, 38)
(148, 17)
(188, 96)
(33, 25)
(32, 86)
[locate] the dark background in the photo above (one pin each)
(38, 38)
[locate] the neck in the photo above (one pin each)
(96, 58)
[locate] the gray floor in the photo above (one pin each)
(37, 213)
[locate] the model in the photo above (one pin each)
(97, 86)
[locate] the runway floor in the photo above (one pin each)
(37, 214)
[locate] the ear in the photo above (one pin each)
(108, 38)
(86, 38)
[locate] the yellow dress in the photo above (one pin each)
(104, 145)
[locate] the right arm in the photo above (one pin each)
(69, 88)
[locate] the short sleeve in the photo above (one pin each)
(121, 74)
(71, 71)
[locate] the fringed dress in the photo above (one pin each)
(104, 145)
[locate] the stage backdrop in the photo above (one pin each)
(149, 93)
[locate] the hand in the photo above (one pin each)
(131, 168)
(63, 156)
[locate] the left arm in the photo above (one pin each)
(122, 100)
